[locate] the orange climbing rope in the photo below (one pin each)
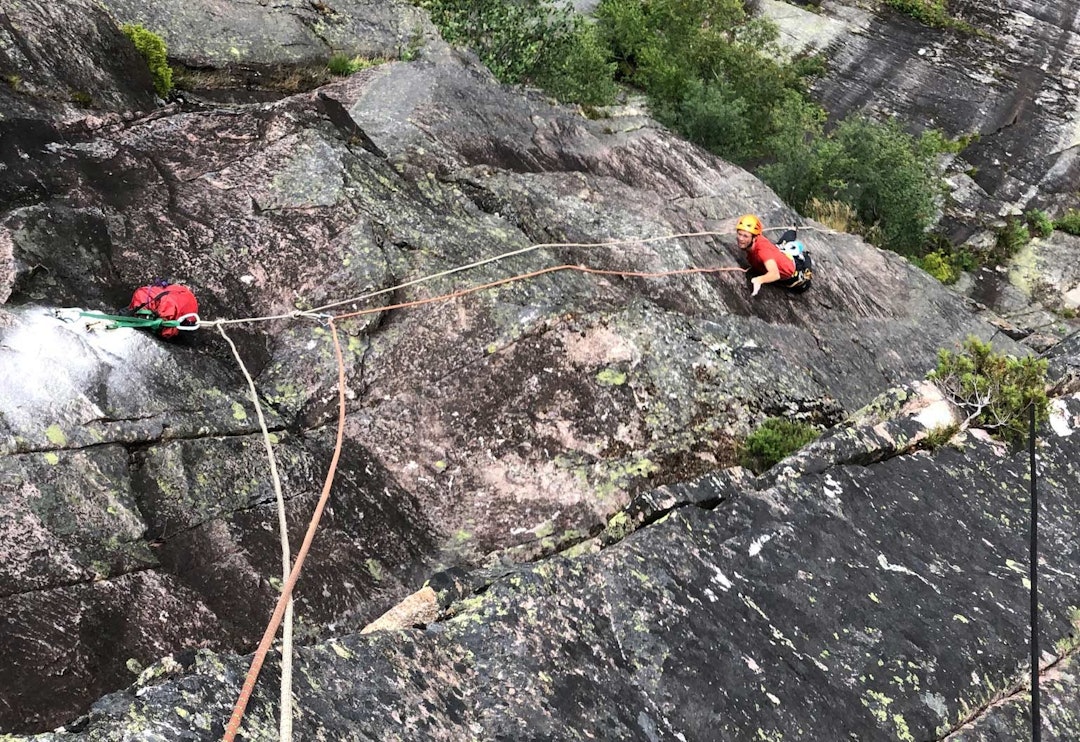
(286, 591)
(534, 274)
(275, 620)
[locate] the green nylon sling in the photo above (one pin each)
(141, 322)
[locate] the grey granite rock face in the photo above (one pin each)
(59, 59)
(141, 518)
(861, 602)
(501, 426)
(1012, 83)
(213, 33)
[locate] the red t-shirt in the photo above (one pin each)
(762, 249)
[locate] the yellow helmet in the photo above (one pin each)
(749, 223)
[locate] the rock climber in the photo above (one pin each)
(769, 263)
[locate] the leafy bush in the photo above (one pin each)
(713, 116)
(530, 41)
(774, 440)
(583, 74)
(940, 266)
(1069, 222)
(996, 391)
(153, 49)
(799, 152)
(933, 13)
(1010, 240)
(712, 72)
(888, 176)
(1039, 223)
(945, 262)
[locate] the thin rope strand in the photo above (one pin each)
(286, 591)
(285, 726)
(534, 274)
(317, 313)
(511, 254)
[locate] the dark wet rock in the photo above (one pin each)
(867, 602)
(134, 490)
(65, 643)
(1010, 716)
(502, 426)
(521, 419)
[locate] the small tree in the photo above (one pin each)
(1011, 238)
(996, 391)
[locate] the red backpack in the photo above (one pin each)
(166, 301)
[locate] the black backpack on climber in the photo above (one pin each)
(791, 246)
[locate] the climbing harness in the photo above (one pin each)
(790, 245)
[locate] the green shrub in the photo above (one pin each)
(944, 261)
(774, 440)
(889, 176)
(933, 13)
(799, 152)
(530, 41)
(1069, 222)
(711, 72)
(1011, 238)
(940, 435)
(583, 73)
(1039, 223)
(995, 391)
(153, 49)
(940, 266)
(712, 116)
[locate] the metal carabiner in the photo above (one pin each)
(184, 318)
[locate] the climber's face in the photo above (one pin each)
(743, 238)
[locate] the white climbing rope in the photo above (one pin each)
(285, 726)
